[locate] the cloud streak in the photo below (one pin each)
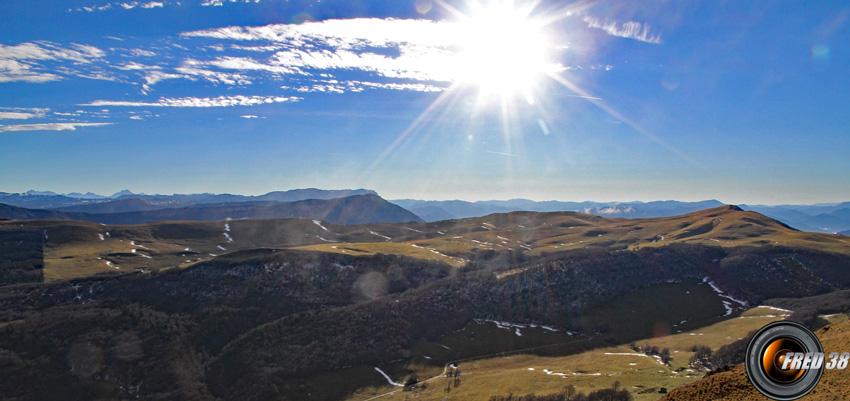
(412, 49)
(198, 102)
(629, 30)
(29, 61)
(147, 5)
(20, 113)
(49, 126)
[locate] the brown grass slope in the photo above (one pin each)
(78, 249)
(284, 324)
(733, 385)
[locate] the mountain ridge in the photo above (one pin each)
(92, 202)
(355, 209)
(823, 217)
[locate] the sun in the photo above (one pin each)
(503, 50)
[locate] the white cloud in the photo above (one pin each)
(416, 55)
(31, 61)
(126, 5)
(335, 86)
(264, 49)
(221, 101)
(142, 53)
(193, 69)
(49, 127)
(12, 115)
(415, 49)
(134, 66)
(248, 64)
(249, 116)
(347, 33)
(418, 87)
(155, 76)
(219, 3)
(630, 30)
(21, 113)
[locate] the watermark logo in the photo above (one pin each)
(785, 361)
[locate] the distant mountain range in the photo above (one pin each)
(356, 209)
(94, 203)
(455, 209)
(832, 218)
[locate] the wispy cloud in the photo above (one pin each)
(129, 5)
(151, 4)
(506, 154)
(142, 53)
(630, 29)
(221, 101)
(119, 5)
(412, 49)
(32, 61)
(21, 113)
(336, 86)
(49, 126)
(219, 3)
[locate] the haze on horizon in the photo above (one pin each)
(744, 102)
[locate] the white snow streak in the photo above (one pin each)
(380, 235)
(389, 379)
(720, 292)
(319, 223)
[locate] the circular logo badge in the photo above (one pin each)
(769, 365)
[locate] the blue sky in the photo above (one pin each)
(746, 102)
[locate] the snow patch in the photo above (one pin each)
(389, 379)
(627, 354)
(226, 232)
(380, 235)
(324, 239)
(775, 308)
(133, 243)
(722, 294)
(516, 327)
(319, 223)
(728, 306)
